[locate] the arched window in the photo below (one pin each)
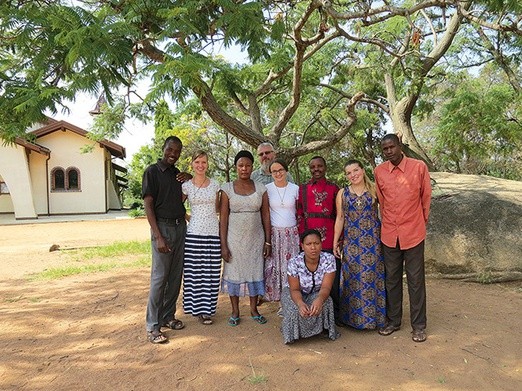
(73, 178)
(57, 179)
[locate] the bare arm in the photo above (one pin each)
(339, 224)
(297, 297)
(317, 306)
(161, 244)
(265, 218)
(224, 212)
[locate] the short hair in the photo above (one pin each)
(281, 162)
(392, 137)
(309, 232)
(318, 157)
(173, 139)
(243, 153)
(266, 144)
(199, 153)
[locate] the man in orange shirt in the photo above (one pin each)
(404, 193)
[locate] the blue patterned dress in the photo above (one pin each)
(362, 290)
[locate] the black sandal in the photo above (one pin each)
(174, 324)
(156, 337)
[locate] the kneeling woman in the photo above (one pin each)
(307, 305)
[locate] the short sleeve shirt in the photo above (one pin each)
(203, 219)
(159, 181)
(311, 281)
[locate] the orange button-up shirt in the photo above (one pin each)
(404, 194)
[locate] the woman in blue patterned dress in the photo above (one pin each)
(362, 290)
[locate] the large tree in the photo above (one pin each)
(313, 66)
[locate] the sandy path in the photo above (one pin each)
(86, 332)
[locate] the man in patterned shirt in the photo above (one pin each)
(316, 210)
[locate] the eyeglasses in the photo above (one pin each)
(277, 171)
(264, 153)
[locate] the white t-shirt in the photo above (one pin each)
(283, 201)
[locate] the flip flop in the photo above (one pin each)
(232, 321)
(260, 319)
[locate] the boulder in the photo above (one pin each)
(475, 227)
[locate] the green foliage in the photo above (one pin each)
(480, 131)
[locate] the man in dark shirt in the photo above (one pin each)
(162, 197)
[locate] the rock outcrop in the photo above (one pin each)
(475, 228)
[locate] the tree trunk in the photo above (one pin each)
(401, 122)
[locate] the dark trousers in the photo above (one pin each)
(413, 261)
(335, 292)
(165, 277)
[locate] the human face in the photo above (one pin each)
(266, 155)
(171, 153)
(244, 168)
(200, 165)
(312, 246)
(354, 174)
(392, 151)
(278, 173)
(317, 168)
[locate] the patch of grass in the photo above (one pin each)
(441, 380)
(13, 299)
(255, 378)
(113, 250)
(59, 272)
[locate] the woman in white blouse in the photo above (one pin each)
(282, 198)
(202, 262)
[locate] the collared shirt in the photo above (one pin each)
(316, 209)
(159, 181)
(260, 176)
(404, 194)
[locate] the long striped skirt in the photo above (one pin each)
(201, 274)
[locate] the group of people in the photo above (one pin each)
(318, 250)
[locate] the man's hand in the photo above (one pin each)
(183, 177)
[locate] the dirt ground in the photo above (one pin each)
(86, 332)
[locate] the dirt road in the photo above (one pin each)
(86, 332)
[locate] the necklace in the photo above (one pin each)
(279, 194)
(198, 188)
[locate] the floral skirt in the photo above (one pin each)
(294, 326)
(285, 246)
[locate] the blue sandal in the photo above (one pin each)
(233, 321)
(259, 319)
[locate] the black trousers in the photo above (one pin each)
(412, 260)
(335, 293)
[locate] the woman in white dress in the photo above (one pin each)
(282, 197)
(202, 262)
(245, 237)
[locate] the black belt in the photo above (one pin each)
(170, 221)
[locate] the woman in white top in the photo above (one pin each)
(202, 262)
(282, 198)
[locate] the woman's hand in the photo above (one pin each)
(317, 307)
(267, 249)
(337, 250)
(304, 311)
(225, 254)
